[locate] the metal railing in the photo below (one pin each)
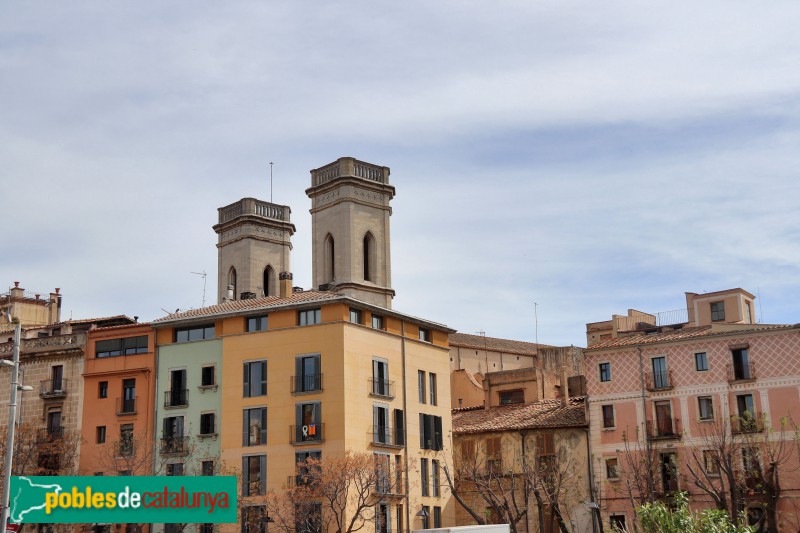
(176, 398)
(126, 406)
(741, 371)
(174, 445)
(306, 383)
(386, 436)
(665, 428)
(662, 380)
(50, 434)
(382, 387)
(747, 423)
(306, 434)
(53, 388)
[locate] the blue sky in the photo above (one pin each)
(587, 160)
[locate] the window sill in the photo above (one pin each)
(613, 428)
(306, 392)
(706, 420)
(613, 479)
(204, 388)
(202, 436)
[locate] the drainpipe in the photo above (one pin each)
(644, 413)
(528, 510)
(596, 516)
(405, 420)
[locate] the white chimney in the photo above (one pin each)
(230, 292)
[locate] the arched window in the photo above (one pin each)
(268, 283)
(330, 256)
(369, 257)
(232, 280)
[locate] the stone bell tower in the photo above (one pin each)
(254, 250)
(350, 230)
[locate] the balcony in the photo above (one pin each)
(52, 388)
(387, 437)
(174, 399)
(174, 445)
(386, 489)
(664, 429)
(741, 372)
(126, 406)
(656, 381)
(306, 383)
(308, 434)
(382, 388)
(747, 423)
(50, 434)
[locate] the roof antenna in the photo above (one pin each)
(270, 182)
(536, 322)
(203, 274)
(760, 306)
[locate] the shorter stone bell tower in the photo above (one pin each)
(254, 250)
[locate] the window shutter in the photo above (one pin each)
(246, 380)
(298, 418)
(422, 443)
(262, 466)
(167, 431)
(375, 429)
(437, 432)
(245, 427)
(318, 415)
(263, 438)
(179, 426)
(245, 477)
(263, 365)
(299, 379)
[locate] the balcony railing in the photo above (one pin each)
(747, 423)
(53, 388)
(655, 381)
(176, 398)
(386, 436)
(383, 388)
(742, 372)
(174, 445)
(50, 434)
(126, 406)
(665, 428)
(307, 434)
(306, 383)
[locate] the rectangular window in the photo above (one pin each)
(430, 433)
(257, 323)
(508, 397)
(717, 311)
(421, 385)
(435, 477)
(178, 393)
(660, 376)
(380, 377)
(423, 472)
(745, 406)
(309, 317)
(494, 455)
(126, 346)
(467, 453)
(701, 361)
(195, 333)
(749, 309)
(207, 468)
(424, 334)
(426, 517)
(254, 475)
(252, 522)
(308, 375)
(437, 517)
(56, 378)
(432, 387)
(308, 417)
(383, 522)
(706, 407)
(605, 371)
(612, 468)
(102, 389)
(355, 316)
(207, 424)
(711, 461)
(128, 396)
(175, 469)
(380, 424)
(101, 434)
(399, 428)
(208, 376)
(306, 471)
(126, 440)
(254, 427)
(608, 416)
(618, 523)
(255, 379)
(742, 369)
(377, 322)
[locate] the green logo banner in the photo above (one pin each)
(123, 499)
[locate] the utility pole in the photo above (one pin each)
(12, 419)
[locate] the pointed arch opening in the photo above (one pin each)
(330, 256)
(369, 257)
(268, 285)
(232, 281)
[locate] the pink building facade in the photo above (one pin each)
(698, 406)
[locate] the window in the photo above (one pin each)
(128, 396)
(207, 468)
(126, 346)
(749, 309)
(101, 435)
(308, 373)
(126, 440)
(745, 406)
(252, 516)
(255, 379)
(355, 316)
(369, 257)
(706, 407)
(424, 335)
(711, 461)
(254, 475)
(612, 468)
(309, 422)
(306, 470)
(380, 377)
(383, 522)
(430, 433)
(467, 452)
(660, 376)
(175, 469)
(254, 427)
(178, 394)
(207, 424)
(172, 440)
(232, 281)
(437, 517)
(701, 361)
(618, 523)
(426, 517)
(399, 429)
(717, 311)
(424, 479)
(206, 528)
(494, 458)
(102, 389)
(56, 378)
(208, 376)
(309, 317)
(268, 281)
(421, 385)
(330, 258)
(432, 387)
(380, 424)
(742, 369)
(195, 333)
(257, 323)
(377, 322)
(665, 426)
(605, 371)
(54, 428)
(435, 477)
(608, 416)
(508, 397)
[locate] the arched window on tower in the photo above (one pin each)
(369, 257)
(232, 280)
(268, 283)
(330, 255)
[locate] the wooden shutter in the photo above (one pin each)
(437, 432)
(422, 441)
(263, 365)
(246, 380)
(263, 439)
(246, 427)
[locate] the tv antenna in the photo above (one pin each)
(203, 274)
(270, 182)
(536, 321)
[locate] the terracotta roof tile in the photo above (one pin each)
(479, 342)
(684, 333)
(537, 415)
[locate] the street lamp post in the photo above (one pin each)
(12, 418)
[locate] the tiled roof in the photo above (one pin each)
(538, 415)
(90, 320)
(253, 304)
(479, 342)
(684, 333)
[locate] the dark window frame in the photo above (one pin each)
(701, 361)
(605, 372)
(256, 323)
(195, 333)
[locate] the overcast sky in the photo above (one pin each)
(590, 158)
